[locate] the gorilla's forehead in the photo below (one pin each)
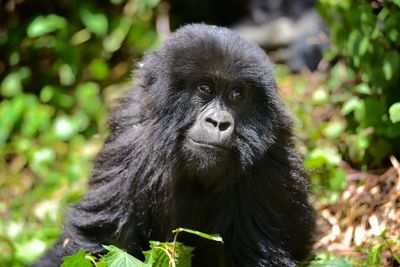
(200, 50)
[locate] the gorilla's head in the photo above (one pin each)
(216, 95)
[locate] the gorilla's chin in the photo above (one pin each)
(208, 146)
(206, 158)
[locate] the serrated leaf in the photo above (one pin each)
(394, 112)
(214, 237)
(77, 260)
(119, 258)
(157, 255)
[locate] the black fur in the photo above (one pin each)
(146, 182)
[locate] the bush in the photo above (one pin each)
(366, 40)
(56, 58)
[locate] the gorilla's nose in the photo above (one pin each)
(220, 121)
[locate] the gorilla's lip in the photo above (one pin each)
(208, 145)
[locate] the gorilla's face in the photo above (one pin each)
(210, 141)
(224, 91)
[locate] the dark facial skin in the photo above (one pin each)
(214, 128)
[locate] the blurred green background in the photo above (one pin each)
(63, 63)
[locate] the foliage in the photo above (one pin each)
(375, 254)
(365, 82)
(318, 128)
(161, 254)
(326, 260)
(55, 59)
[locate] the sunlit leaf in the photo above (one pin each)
(334, 129)
(119, 258)
(362, 88)
(319, 157)
(66, 74)
(45, 24)
(30, 250)
(12, 83)
(350, 105)
(77, 260)
(157, 255)
(320, 96)
(394, 112)
(64, 127)
(96, 22)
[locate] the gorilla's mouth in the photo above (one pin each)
(208, 145)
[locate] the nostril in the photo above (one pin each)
(213, 122)
(223, 126)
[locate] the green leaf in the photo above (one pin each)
(334, 129)
(320, 96)
(66, 74)
(350, 105)
(394, 112)
(45, 24)
(391, 64)
(114, 40)
(362, 88)
(144, 4)
(43, 156)
(119, 258)
(64, 127)
(369, 112)
(12, 83)
(99, 69)
(30, 250)
(77, 260)
(11, 112)
(337, 181)
(214, 237)
(157, 255)
(36, 120)
(331, 263)
(364, 45)
(97, 23)
(322, 156)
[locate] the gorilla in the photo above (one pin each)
(200, 141)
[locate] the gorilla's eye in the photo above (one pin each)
(237, 94)
(205, 88)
